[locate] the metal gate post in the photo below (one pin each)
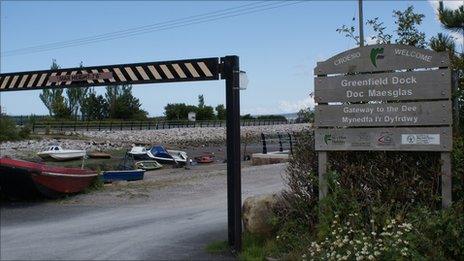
(231, 73)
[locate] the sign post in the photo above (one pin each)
(203, 69)
(384, 98)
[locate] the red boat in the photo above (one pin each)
(204, 159)
(26, 179)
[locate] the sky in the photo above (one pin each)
(278, 47)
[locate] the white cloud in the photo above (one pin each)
(258, 111)
(295, 106)
(459, 39)
(370, 40)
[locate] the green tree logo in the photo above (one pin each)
(327, 138)
(376, 53)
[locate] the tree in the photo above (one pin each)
(379, 36)
(201, 101)
(75, 97)
(178, 111)
(349, 32)
(204, 112)
(305, 116)
(442, 43)
(111, 96)
(121, 104)
(52, 96)
(128, 106)
(452, 19)
(247, 117)
(221, 112)
(407, 31)
(272, 117)
(59, 108)
(94, 107)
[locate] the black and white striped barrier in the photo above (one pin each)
(137, 73)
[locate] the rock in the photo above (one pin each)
(257, 213)
(175, 138)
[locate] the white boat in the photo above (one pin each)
(162, 155)
(139, 153)
(57, 153)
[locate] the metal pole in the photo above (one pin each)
(361, 24)
(263, 139)
(231, 71)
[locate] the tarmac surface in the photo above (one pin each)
(173, 214)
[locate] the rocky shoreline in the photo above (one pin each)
(114, 140)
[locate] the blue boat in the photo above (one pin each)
(123, 175)
(125, 171)
(164, 156)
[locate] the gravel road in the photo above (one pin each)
(172, 214)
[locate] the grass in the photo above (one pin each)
(218, 247)
(254, 248)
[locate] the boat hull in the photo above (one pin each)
(27, 179)
(204, 159)
(122, 175)
(140, 156)
(168, 161)
(99, 155)
(148, 165)
(17, 183)
(62, 156)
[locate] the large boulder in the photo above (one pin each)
(258, 213)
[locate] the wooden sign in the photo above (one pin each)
(402, 90)
(381, 58)
(384, 114)
(382, 139)
(81, 77)
(398, 86)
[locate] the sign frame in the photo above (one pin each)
(372, 68)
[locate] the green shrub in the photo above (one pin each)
(370, 191)
(440, 234)
(10, 132)
(457, 163)
(353, 231)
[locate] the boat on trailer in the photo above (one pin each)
(59, 154)
(24, 179)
